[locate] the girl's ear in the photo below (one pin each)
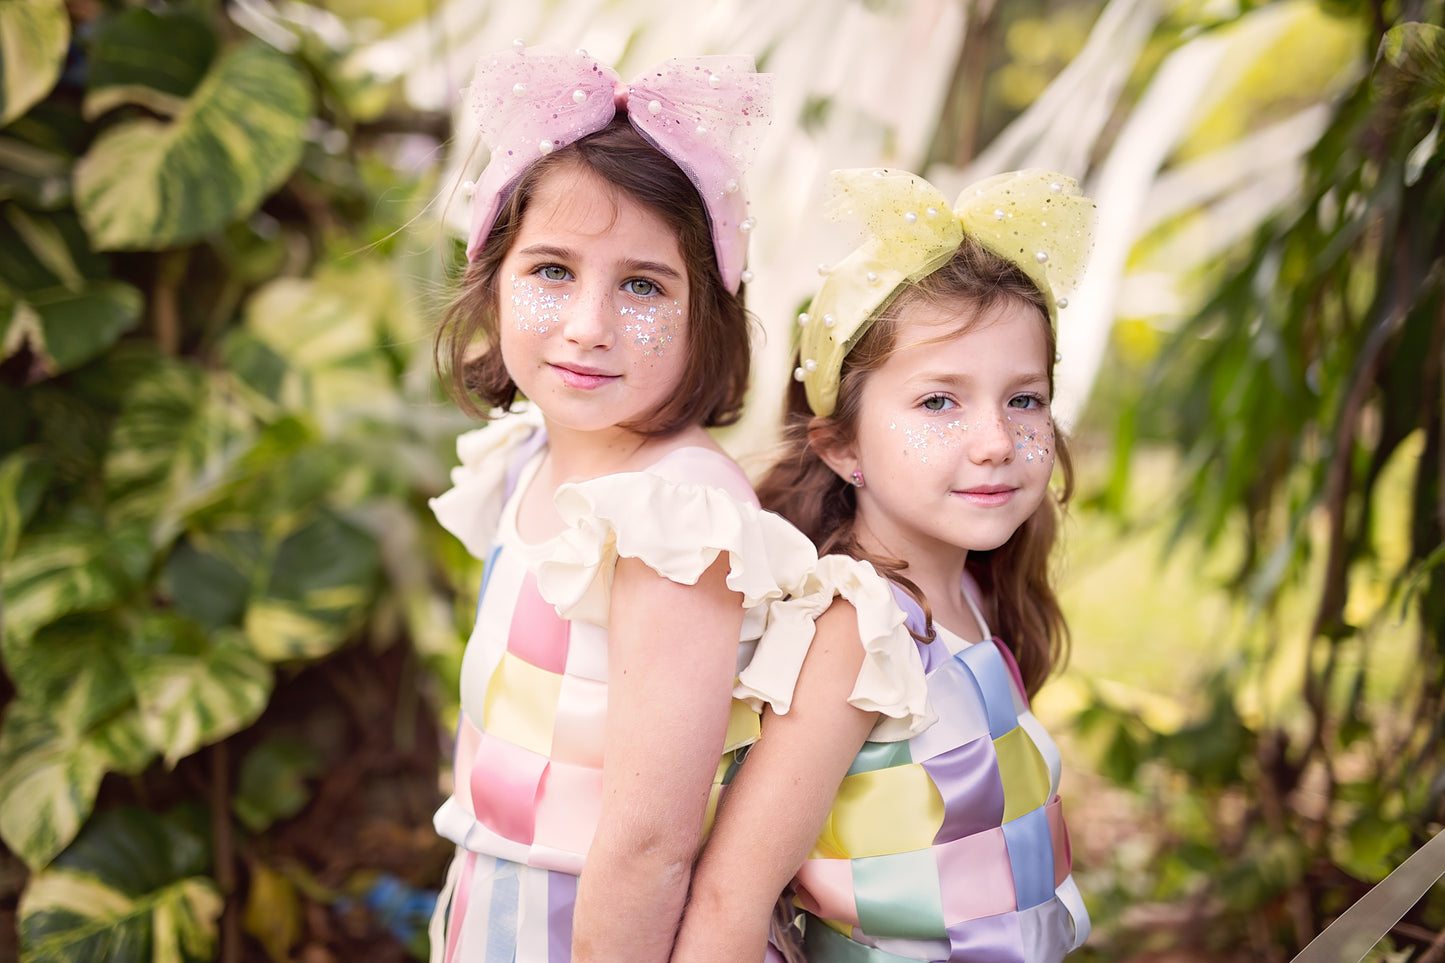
(841, 457)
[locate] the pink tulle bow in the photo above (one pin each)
(708, 114)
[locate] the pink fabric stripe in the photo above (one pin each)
(504, 783)
(537, 635)
(469, 738)
(458, 915)
(1063, 847)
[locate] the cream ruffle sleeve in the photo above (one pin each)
(471, 508)
(678, 529)
(891, 681)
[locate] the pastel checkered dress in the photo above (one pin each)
(528, 766)
(950, 845)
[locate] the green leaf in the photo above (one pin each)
(194, 687)
(23, 477)
(132, 888)
(33, 38)
(154, 58)
(1412, 65)
(77, 569)
(272, 784)
(208, 575)
(150, 185)
(72, 327)
(172, 449)
(321, 584)
(51, 766)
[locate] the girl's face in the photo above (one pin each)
(954, 437)
(592, 306)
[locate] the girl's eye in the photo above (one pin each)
(1026, 401)
(553, 272)
(938, 403)
(640, 287)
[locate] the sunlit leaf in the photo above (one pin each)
(172, 449)
(33, 38)
(273, 912)
(50, 768)
(194, 687)
(23, 477)
(146, 184)
(1412, 64)
(131, 888)
(58, 573)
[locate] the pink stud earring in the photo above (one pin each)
(857, 478)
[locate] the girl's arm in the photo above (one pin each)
(672, 657)
(775, 807)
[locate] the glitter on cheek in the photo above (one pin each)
(1034, 444)
(929, 435)
(535, 309)
(650, 328)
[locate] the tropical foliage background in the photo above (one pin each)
(230, 629)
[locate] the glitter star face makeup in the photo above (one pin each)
(593, 306)
(954, 434)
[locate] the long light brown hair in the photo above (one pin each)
(715, 378)
(1016, 578)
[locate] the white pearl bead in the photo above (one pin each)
(519, 89)
(1041, 257)
(747, 277)
(872, 277)
(824, 270)
(829, 320)
(546, 147)
(998, 214)
(519, 43)
(731, 187)
(1063, 302)
(748, 224)
(714, 81)
(810, 365)
(803, 319)
(799, 374)
(654, 107)
(579, 96)
(1055, 187)
(931, 211)
(910, 218)
(701, 129)
(469, 188)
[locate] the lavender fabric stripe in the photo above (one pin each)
(967, 778)
(502, 911)
(1031, 853)
(992, 675)
(561, 900)
(992, 939)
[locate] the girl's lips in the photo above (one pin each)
(581, 376)
(988, 496)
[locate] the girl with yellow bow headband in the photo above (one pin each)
(919, 448)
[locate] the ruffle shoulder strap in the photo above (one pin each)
(471, 508)
(891, 681)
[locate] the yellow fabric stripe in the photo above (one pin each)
(521, 704)
(1024, 773)
(894, 810)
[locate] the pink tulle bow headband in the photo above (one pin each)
(707, 114)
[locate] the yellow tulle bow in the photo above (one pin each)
(1036, 219)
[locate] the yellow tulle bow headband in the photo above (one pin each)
(1035, 219)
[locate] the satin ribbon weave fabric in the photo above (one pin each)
(1035, 219)
(707, 114)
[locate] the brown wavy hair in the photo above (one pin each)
(715, 378)
(1017, 582)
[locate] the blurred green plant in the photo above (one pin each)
(1315, 369)
(219, 431)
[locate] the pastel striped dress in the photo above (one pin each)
(951, 844)
(528, 765)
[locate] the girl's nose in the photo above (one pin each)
(591, 320)
(992, 441)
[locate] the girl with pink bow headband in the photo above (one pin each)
(628, 568)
